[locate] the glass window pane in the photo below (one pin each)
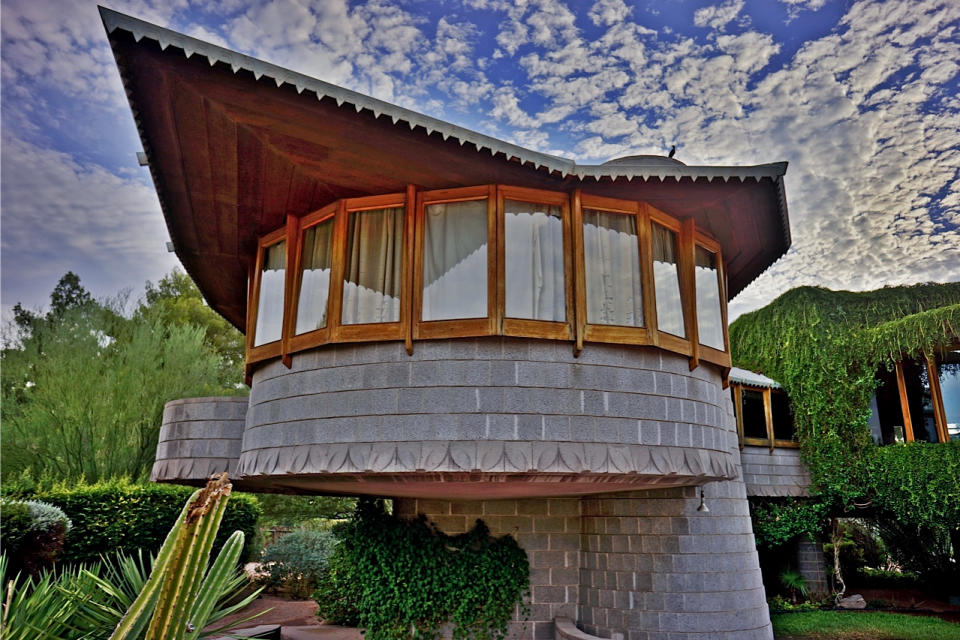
(920, 400)
(666, 275)
(709, 317)
(753, 415)
(270, 303)
(533, 245)
(455, 261)
(315, 277)
(948, 371)
(612, 259)
(780, 412)
(372, 272)
(886, 426)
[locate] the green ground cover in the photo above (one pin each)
(852, 625)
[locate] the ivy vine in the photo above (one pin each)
(824, 347)
(398, 577)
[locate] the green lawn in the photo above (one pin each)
(840, 625)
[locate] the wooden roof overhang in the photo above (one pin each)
(235, 144)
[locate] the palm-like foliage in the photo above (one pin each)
(171, 597)
(35, 609)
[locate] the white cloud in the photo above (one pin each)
(61, 215)
(717, 16)
(609, 12)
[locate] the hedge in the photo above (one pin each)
(119, 515)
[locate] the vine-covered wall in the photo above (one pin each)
(825, 348)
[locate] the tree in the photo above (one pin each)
(178, 302)
(84, 390)
(68, 294)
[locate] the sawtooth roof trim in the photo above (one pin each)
(190, 46)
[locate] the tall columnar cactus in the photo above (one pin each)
(180, 594)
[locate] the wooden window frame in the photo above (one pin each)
(663, 339)
(936, 398)
(323, 335)
(604, 332)
(769, 442)
(274, 348)
(459, 327)
(707, 353)
(410, 326)
(373, 331)
(525, 327)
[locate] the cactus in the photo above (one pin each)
(176, 601)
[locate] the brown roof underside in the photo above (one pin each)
(231, 156)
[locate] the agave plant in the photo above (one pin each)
(35, 608)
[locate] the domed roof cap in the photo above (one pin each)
(642, 161)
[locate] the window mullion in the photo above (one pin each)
(936, 397)
(648, 285)
(904, 403)
(335, 298)
(289, 284)
(768, 414)
(688, 250)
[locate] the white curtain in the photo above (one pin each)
(270, 304)
(534, 262)
(612, 259)
(455, 261)
(709, 318)
(372, 273)
(315, 277)
(666, 278)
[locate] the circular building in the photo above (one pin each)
(471, 328)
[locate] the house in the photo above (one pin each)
(471, 328)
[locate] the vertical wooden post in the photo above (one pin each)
(904, 404)
(768, 414)
(580, 278)
(936, 397)
(289, 282)
(648, 284)
(406, 295)
(688, 288)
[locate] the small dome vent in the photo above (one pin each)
(642, 161)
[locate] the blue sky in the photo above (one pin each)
(860, 97)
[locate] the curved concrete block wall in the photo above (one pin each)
(777, 473)
(368, 418)
(642, 565)
(199, 437)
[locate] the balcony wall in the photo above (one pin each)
(772, 474)
(199, 437)
(502, 417)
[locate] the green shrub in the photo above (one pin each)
(118, 515)
(15, 524)
(298, 561)
(396, 577)
(33, 534)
